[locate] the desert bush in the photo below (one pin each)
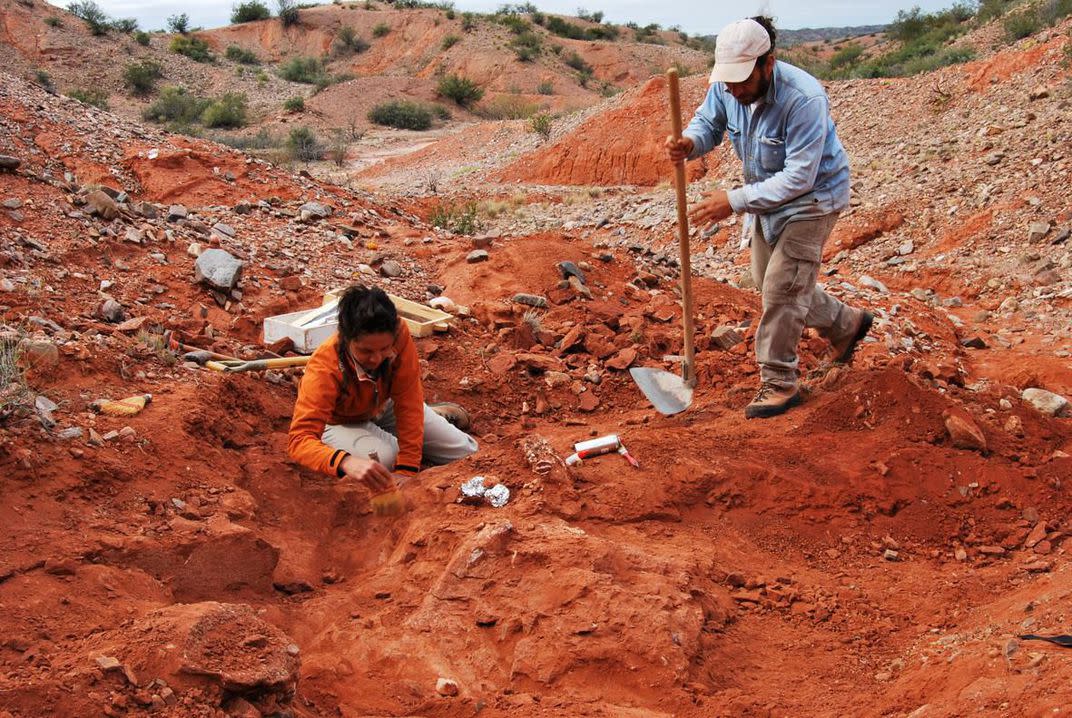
(175, 105)
(381, 29)
(53, 21)
(140, 77)
(14, 391)
(527, 46)
(228, 111)
(263, 140)
(402, 114)
(547, 87)
(540, 123)
(250, 11)
(468, 21)
(92, 15)
(460, 219)
(294, 104)
(179, 23)
(462, 90)
(142, 38)
(241, 55)
(563, 28)
(577, 63)
(307, 70)
(192, 47)
(847, 55)
(288, 12)
(603, 32)
(596, 17)
(303, 145)
(450, 41)
(348, 42)
(126, 25)
(95, 96)
(648, 33)
(516, 25)
(44, 80)
(506, 107)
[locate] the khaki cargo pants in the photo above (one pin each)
(786, 275)
(443, 442)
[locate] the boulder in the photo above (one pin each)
(218, 269)
(1046, 401)
(102, 205)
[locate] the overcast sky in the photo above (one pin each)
(695, 17)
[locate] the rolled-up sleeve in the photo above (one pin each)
(806, 129)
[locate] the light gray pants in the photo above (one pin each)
(786, 275)
(443, 442)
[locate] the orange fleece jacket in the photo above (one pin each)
(337, 392)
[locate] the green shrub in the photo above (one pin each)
(192, 47)
(44, 80)
(541, 124)
(539, 18)
(179, 23)
(577, 63)
(1021, 24)
(401, 114)
(228, 111)
(516, 24)
(142, 38)
(303, 145)
(96, 96)
(294, 104)
(450, 13)
(462, 90)
(596, 17)
(527, 46)
(468, 21)
(288, 12)
(462, 219)
(125, 26)
(53, 21)
(507, 107)
(348, 42)
(603, 32)
(175, 105)
(263, 140)
(241, 55)
(547, 87)
(450, 41)
(990, 9)
(92, 15)
(307, 70)
(381, 29)
(140, 77)
(847, 55)
(250, 11)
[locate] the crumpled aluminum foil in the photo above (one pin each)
(497, 495)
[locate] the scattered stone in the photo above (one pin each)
(194, 250)
(102, 205)
(70, 434)
(960, 554)
(580, 287)
(9, 163)
(1037, 534)
(111, 311)
(477, 255)
(872, 283)
(906, 248)
(1061, 236)
(532, 300)
(973, 343)
(177, 212)
(6, 285)
(1036, 231)
(109, 663)
(37, 355)
(391, 268)
(992, 550)
(588, 401)
(569, 269)
(446, 687)
(1046, 401)
(482, 242)
(622, 360)
(312, 211)
(1038, 566)
(726, 337)
(225, 230)
(218, 269)
(1039, 93)
(964, 432)
(44, 408)
(13, 203)
(134, 236)
(891, 555)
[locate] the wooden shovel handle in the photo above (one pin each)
(688, 367)
(257, 364)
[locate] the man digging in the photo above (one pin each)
(360, 411)
(796, 178)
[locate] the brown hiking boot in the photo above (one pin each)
(844, 349)
(772, 400)
(453, 413)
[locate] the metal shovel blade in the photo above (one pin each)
(667, 392)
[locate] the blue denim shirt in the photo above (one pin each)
(794, 164)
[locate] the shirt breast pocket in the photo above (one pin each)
(735, 139)
(772, 154)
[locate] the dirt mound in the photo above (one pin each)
(622, 145)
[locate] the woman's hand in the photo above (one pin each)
(371, 473)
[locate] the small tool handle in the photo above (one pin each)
(688, 367)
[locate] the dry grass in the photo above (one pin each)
(13, 389)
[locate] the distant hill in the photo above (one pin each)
(789, 38)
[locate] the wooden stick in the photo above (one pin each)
(688, 367)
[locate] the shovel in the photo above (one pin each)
(668, 393)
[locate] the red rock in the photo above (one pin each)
(1037, 534)
(291, 284)
(589, 401)
(573, 340)
(622, 360)
(502, 363)
(541, 362)
(964, 432)
(132, 325)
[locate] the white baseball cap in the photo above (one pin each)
(736, 49)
